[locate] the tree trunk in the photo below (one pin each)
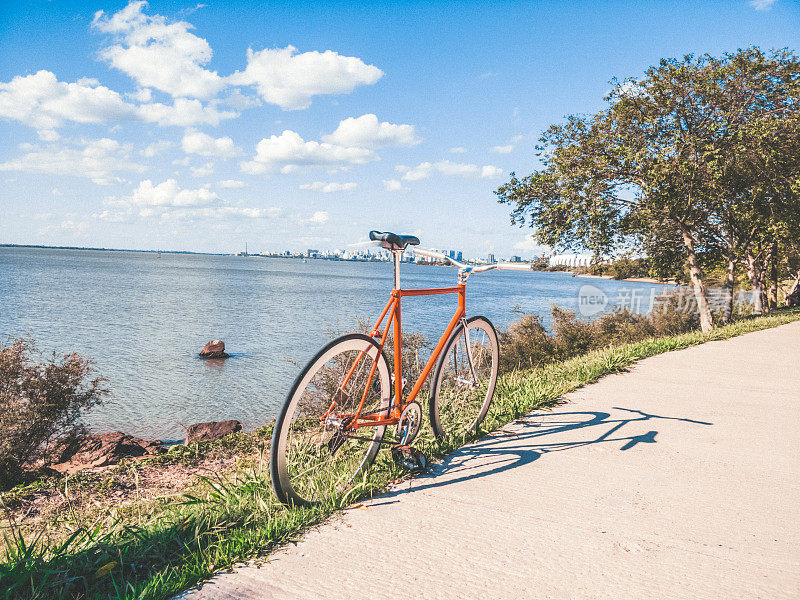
(773, 279)
(791, 299)
(754, 277)
(730, 276)
(698, 283)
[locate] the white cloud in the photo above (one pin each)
(239, 101)
(197, 142)
(68, 225)
(141, 95)
(507, 148)
(446, 167)
(231, 184)
(41, 101)
(289, 151)
(491, 172)
(203, 170)
(366, 131)
(169, 193)
(762, 4)
(215, 213)
(48, 135)
(421, 171)
(318, 218)
(157, 53)
(328, 188)
(155, 148)
(290, 80)
(183, 113)
(458, 150)
(393, 185)
(98, 160)
(168, 201)
(529, 243)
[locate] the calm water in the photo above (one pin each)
(143, 319)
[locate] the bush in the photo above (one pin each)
(626, 267)
(524, 344)
(527, 343)
(40, 403)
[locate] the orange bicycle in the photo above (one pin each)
(334, 420)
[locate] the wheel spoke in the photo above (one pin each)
(462, 392)
(309, 462)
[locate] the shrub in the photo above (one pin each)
(524, 344)
(527, 343)
(40, 403)
(626, 267)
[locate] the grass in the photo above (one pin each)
(172, 545)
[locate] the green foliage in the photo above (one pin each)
(626, 267)
(527, 343)
(40, 402)
(699, 157)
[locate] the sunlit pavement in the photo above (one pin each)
(679, 479)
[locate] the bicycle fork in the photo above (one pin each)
(474, 381)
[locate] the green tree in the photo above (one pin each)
(658, 167)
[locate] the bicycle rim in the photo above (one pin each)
(460, 400)
(311, 458)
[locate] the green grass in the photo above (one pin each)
(175, 544)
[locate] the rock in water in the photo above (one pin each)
(103, 449)
(213, 430)
(214, 349)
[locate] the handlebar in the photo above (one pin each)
(468, 269)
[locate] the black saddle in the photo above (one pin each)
(392, 241)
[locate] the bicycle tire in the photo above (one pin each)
(456, 407)
(301, 436)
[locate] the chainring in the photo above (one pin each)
(409, 423)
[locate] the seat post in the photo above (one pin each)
(396, 255)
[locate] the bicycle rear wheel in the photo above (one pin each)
(312, 456)
(461, 393)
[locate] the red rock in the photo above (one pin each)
(213, 430)
(104, 449)
(214, 349)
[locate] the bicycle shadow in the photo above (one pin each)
(535, 439)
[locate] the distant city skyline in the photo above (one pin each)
(200, 127)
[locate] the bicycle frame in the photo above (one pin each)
(393, 310)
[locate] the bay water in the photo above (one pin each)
(142, 319)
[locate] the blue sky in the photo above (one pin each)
(291, 125)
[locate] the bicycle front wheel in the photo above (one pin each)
(464, 381)
(313, 455)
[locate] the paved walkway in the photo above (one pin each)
(679, 479)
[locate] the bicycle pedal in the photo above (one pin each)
(409, 458)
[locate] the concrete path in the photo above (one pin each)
(679, 479)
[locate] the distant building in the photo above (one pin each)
(571, 260)
(312, 253)
(490, 258)
(459, 257)
(516, 259)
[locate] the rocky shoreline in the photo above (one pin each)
(102, 474)
(107, 449)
